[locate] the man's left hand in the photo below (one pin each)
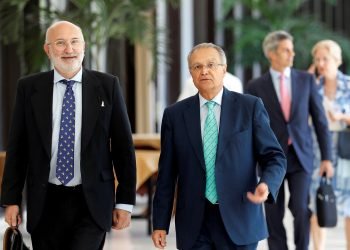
(260, 194)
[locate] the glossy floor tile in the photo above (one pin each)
(135, 237)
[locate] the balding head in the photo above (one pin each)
(59, 25)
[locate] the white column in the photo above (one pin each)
(238, 14)
(219, 31)
(186, 19)
(162, 80)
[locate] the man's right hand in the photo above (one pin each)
(159, 238)
(12, 216)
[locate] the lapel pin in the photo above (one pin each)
(102, 104)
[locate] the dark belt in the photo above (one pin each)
(62, 188)
(211, 204)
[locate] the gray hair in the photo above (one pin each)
(272, 40)
(208, 45)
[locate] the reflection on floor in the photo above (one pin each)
(136, 238)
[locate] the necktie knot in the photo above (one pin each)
(69, 83)
(210, 105)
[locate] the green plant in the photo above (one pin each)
(285, 14)
(100, 20)
(19, 25)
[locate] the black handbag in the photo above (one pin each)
(344, 144)
(13, 240)
(326, 207)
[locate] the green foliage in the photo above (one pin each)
(111, 19)
(279, 15)
(11, 20)
(23, 30)
(100, 20)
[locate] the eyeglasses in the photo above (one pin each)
(62, 44)
(209, 66)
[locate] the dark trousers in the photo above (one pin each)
(299, 185)
(66, 223)
(213, 235)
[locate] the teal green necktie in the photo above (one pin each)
(210, 142)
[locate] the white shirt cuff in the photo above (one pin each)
(126, 207)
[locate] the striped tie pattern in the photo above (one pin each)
(210, 142)
(65, 155)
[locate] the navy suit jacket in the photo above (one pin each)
(306, 102)
(245, 139)
(106, 147)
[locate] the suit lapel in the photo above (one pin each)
(192, 121)
(90, 106)
(294, 87)
(270, 99)
(273, 95)
(229, 121)
(42, 108)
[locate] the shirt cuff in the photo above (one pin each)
(126, 207)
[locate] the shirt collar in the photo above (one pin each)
(275, 74)
(217, 99)
(342, 81)
(77, 78)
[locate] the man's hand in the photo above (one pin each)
(260, 194)
(327, 168)
(121, 219)
(159, 238)
(12, 216)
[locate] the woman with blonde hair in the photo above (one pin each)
(334, 86)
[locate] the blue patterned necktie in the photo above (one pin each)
(65, 155)
(210, 142)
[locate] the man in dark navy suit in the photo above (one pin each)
(210, 146)
(290, 97)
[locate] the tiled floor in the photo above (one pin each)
(136, 238)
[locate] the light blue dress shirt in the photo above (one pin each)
(59, 89)
(276, 81)
(204, 110)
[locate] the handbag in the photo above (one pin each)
(326, 207)
(13, 240)
(344, 144)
